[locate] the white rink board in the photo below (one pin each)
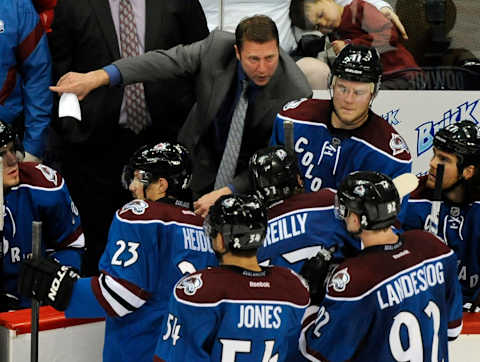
(80, 343)
(417, 115)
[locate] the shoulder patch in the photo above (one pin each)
(49, 173)
(398, 144)
(190, 284)
(138, 207)
(293, 104)
(339, 280)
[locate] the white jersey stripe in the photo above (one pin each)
(123, 292)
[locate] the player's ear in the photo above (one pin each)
(468, 172)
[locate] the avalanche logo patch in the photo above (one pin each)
(293, 104)
(48, 173)
(138, 207)
(398, 144)
(191, 284)
(340, 280)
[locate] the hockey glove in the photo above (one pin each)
(48, 281)
(315, 270)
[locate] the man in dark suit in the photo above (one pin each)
(87, 35)
(217, 65)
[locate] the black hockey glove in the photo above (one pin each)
(315, 270)
(8, 302)
(48, 281)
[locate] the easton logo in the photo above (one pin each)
(56, 283)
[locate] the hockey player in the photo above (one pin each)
(299, 224)
(239, 311)
(457, 147)
(33, 192)
(151, 244)
(399, 299)
(335, 137)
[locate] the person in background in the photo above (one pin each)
(457, 147)
(399, 299)
(33, 192)
(116, 121)
(239, 80)
(153, 241)
(239, 310)
(25, 74)
(361, 23)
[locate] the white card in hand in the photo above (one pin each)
(69, 106)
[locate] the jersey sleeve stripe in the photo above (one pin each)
(454, 329)
(74, 240)
(121, 294)
(117, 297)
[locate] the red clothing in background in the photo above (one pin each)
(364, 24)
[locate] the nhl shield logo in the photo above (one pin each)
(2, 26)
(340, 280)
(190, 284)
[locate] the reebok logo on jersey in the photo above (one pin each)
(400, 254)
(259, 284)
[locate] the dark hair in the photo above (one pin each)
(257, 28)
(297, 14)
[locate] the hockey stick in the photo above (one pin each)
(432, 225)
(288, 131)
(36, 246)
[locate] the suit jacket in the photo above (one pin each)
(84, 39)
(211, 63)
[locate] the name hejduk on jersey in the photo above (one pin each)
(285, 228)
(411, 284)
(195, 239)
(259, 316)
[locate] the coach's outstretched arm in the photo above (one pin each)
(81, 83)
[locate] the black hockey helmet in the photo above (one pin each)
(241, 219)
(461, 139)
(7, 134)
(167, 160)
(358, 63)
(274, 174)
(371, 195)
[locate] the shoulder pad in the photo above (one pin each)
(378, 133)
(150, 210)
(307, 109)
(39, 175)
